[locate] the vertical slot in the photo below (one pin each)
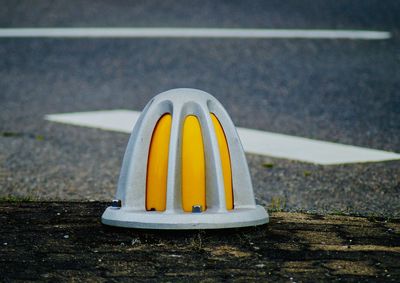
(157, 165)
(225, 161)
(193, 167)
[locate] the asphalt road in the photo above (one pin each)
(293, 247)
(343, 91)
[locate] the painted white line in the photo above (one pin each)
(192, 32)
(254, 141)
(110, 120)
(308, 150)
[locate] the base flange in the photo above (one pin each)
(239, 217)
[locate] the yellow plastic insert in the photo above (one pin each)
(157, 165)
(193, 166)
(225, 161)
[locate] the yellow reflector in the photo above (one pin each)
(193, 166)
(225, 161)
(157, 166)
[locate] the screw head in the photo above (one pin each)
(116, 203)
(197, 209)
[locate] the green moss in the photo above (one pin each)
(12, 198)
(11, 134)
(20, 135)
(277, 204)
(268, 165)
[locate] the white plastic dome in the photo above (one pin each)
(184, 168)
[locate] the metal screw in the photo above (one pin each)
(116, 203)
(197, 208)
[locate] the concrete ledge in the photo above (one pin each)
(65, 241)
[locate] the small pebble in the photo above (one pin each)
(66, 236)
(135, 241)
(5, 244)
(58, 214)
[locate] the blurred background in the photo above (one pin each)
(339, 90)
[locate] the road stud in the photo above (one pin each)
(184, 168)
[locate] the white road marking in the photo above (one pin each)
(110, 120)
(254, 141)
(193, 33)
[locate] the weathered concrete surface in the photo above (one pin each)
(65, 241)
